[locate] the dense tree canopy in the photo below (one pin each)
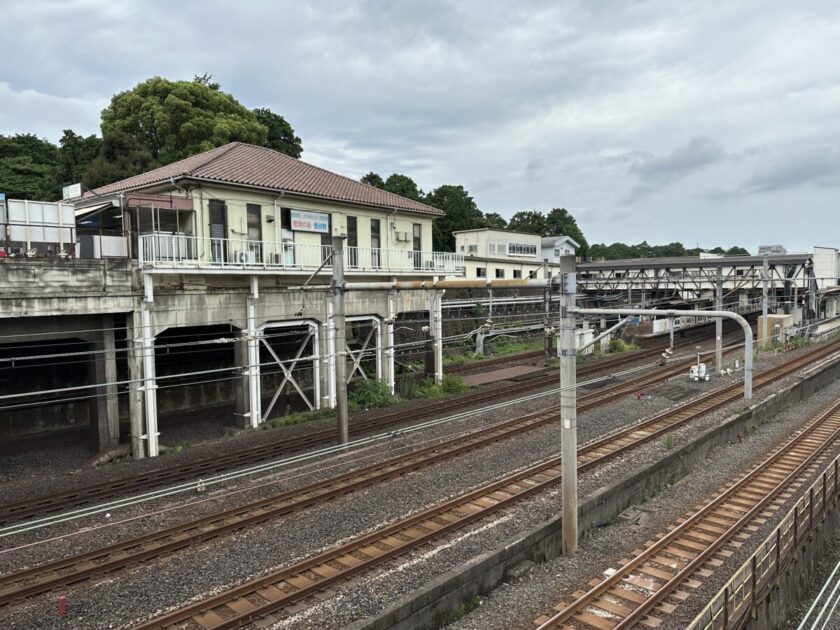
(154, 123)
(461, 214)
(495, 221)
(280, 137)
(175, 119)
(373, 179)
(28, 167)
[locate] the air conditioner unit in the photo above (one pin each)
(402, 237)
(245, 257)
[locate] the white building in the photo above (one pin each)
(506, 254)
(553, 247)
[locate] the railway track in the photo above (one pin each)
(152, 480)
(639, 591)
(301, 583)
(28, 583)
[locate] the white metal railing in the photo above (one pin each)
(754, 580)
(179, 251)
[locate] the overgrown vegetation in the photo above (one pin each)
(174, 450)
(670, 441)
(370, 394)
(298, 417)
(506, 345)
(412, 389)
(619, 345)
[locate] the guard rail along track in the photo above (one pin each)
(638, 592)
(758, 576)
(31, 582)
(292, 587)
(77, 497)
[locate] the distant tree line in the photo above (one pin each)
(618, 251)
(153, 124)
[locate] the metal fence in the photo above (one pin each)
(757, 577)
(45, 240)
(183, 251)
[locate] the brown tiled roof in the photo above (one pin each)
(248, 164)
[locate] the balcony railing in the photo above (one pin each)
(176, 251)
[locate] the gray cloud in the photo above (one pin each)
(815, 166)
(537, 104)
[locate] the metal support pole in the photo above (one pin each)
(340, 339)
(568, 405)
(253, 371)
(748, 339)
(149, 380)
(135, 387)
(671, 322)
(547, 314)
(719, 321)
(390, 368)
(609, 331)
(436, 331)
(762, 334)
(330, 352)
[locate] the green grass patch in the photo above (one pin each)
(412, 389)
(619, 345)
(299, 417)
(505, 345)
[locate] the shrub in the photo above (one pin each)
(298, 417)
(453, 384)
(619, 345)
(370, 394)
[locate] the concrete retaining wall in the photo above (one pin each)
(439, 601)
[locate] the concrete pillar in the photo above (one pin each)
(241, 382)
(135, 385)
(386, 342)
(149, 377)
(105, 421)
(326, 373)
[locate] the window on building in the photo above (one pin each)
(500, 273)
(521, 249)
(353, 241)
(557, 253)
(417, 245)
(492, 248)
(375, 241)
(517, 273)
(481, 272)
(473, 249)
(254, 213)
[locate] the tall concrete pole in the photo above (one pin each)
(762, 334)
(719, 321)
(568, 404)
(340, 339)
(135, 386)
(253, 371)
(547, 313)
(149, 379)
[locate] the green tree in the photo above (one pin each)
(172, 120)
(495, 221)
(280, 136)
(119, 157)
(373, 179)
(531, 221)
(461, 213)
(737, 251)
(403, 186)
(207, 79)
(75, 155)
(560, 221)
(28, 168)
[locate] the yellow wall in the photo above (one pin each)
(237, 199)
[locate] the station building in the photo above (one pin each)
(202, 283)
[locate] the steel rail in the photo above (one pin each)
(744, 489)
(49, 504)
(37, 580)
(262, 596)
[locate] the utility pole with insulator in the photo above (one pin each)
(340, 338)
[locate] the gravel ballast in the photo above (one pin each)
(207, 568)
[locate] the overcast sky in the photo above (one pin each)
(708, 123)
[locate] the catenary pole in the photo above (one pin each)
(568, 404)
(340, 339)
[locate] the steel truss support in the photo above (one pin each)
(288, 366)
(356, 356)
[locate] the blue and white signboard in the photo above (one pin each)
(310, 221)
